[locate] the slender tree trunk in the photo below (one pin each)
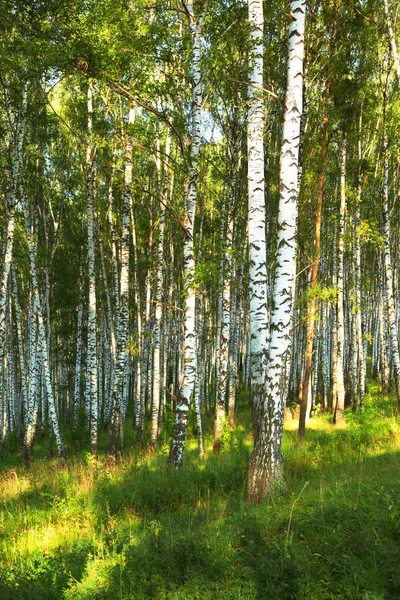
(186, 389)
(220, 407)
(357, 249)
(21, 353)
(78, 361)
(116, 433)
(92, 371)
(42, 333)
(256, 216)
(157, 371)
(338, 414)
(12, 199)
(304, 404)
(390, 302)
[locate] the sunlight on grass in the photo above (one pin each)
(141, 529)
(48, 538)
(13, 485)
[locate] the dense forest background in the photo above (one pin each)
(199, 236)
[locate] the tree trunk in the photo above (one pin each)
(116, 441)
(189, 374)
(258, 313)
(338, 414)
(92, 374)
(266, 462)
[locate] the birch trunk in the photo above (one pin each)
(359, 328)
(338, 414)
(256, 216)
(305, 407)
(42, 333)
(220, 407)
(78, 361)
(392, 39)
(92, 375)
(116, 440)
(21, 353)
(390, 302)
(189, 374)
(266, 462)
(163, 182)
(12, 199)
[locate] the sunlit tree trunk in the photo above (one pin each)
(34, 368)
(357, 248)
(256, 215)
(392, 39)
(92, 370)
(266, 462)
(12, 382)
(139, 401)
(338, 414)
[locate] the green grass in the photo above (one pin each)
(144, 530)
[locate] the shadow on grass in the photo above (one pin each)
(161, 533)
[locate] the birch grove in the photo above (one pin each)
(196, 225)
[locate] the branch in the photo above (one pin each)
(257, 87)
(120, 89)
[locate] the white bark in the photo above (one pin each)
(220, 407)
(92, 371)
(123, 314)
(256, 215)
(266, 462)
(160, 269)
(357, 243)
(189, 374)
(9, 233)
(78, 360)
(339, 366)
(42, 332)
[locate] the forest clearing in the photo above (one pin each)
(143, 529)
(199, 299)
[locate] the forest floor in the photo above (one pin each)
(142, 530)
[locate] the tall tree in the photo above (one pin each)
(266, 462)
(256, 214)
(189, 322)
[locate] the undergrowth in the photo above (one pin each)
(143, 530)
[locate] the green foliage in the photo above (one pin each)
(318, 292)
(369, 232)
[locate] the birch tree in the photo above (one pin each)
(16, 144)
(258, 314)
(116, 433)
(266, 461)
(390, 302)
(92, 373)
(189, 320)
(338, 398)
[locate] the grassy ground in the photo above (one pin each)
(142, 530)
